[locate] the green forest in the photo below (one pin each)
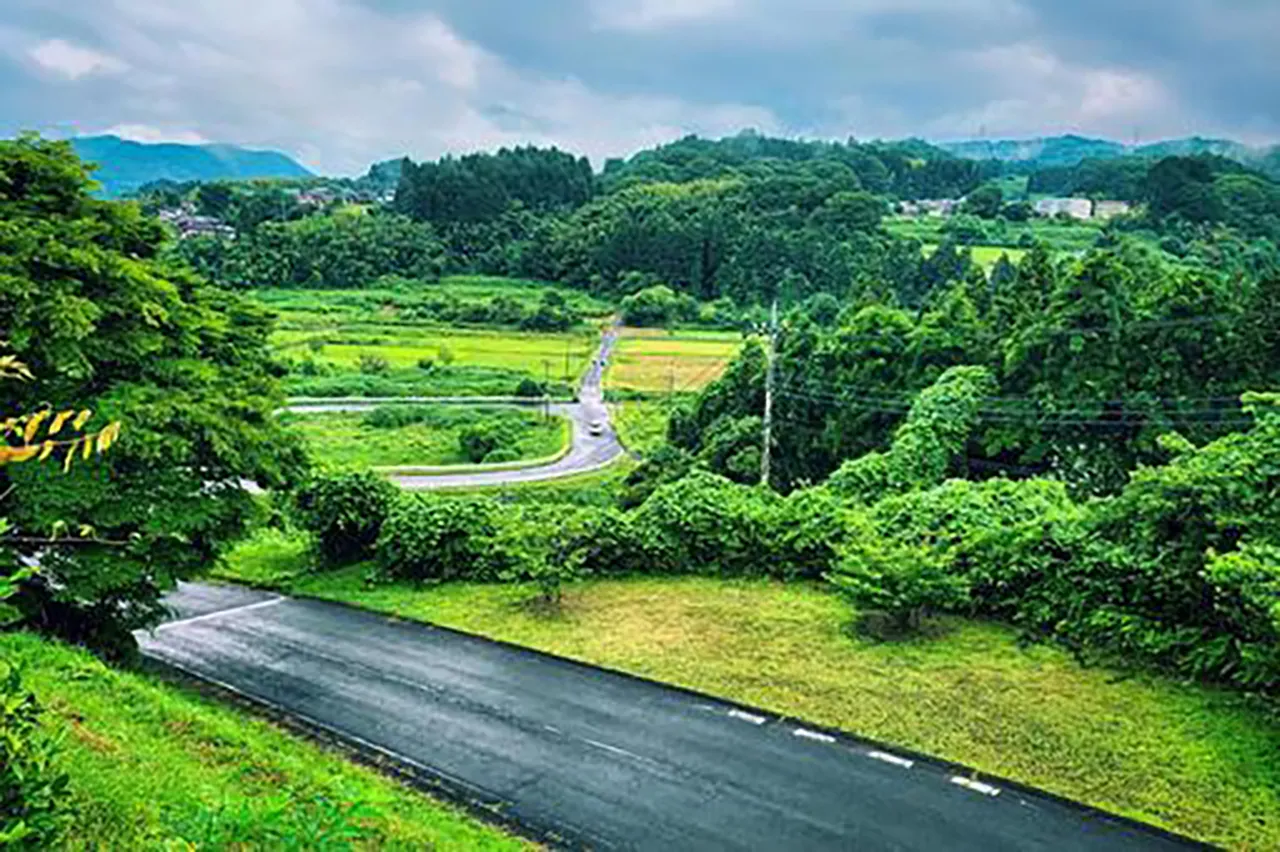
(1079, 440)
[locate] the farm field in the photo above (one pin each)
(1058, 236)
(430, 435)
(986, 256)
(388, 343)
(660, 362)
(1195, 760)
(157, 766)
(641, 424)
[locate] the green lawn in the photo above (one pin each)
(987, 256)
(349, 439)
(1058, 236)
(1194, 760)
(155, 766)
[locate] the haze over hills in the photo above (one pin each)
(1069, 150)
(125, 165)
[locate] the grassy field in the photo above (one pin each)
(1059, 236)
(987, 256)
(1191, 759)
(325, 335)
(641, 424)
(155, 766)
(354, 440)
(656, 361)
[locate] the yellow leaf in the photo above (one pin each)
(33, 425)
(47, 450)
(60, 421)
(81, 419)
(88, 448)
(21, 454)
(71, 454)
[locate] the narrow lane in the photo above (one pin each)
(605, 760)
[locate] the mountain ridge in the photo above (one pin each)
(124, 165)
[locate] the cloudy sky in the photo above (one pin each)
(341, 83)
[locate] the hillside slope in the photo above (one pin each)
(124, 165)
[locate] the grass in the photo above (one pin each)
(987, 256)
(155, 766)
(641, 424)
(1191, 759)
(348, 439)
(1058, 236)
(656, 361)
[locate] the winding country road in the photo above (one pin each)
(587, 452)
(596, 759)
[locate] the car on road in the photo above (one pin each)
(595, 428)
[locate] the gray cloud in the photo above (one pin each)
(342, 82)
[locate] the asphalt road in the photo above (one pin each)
(587, 452)
(608, 762)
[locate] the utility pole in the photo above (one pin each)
(766, 458)
(547, 389)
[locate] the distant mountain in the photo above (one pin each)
(1052, 151)
(123, 165)
(1072, 150)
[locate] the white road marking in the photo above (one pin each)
(616, 750)
(814, 735)
(976, 786)
(891, 758)
(747, 717)
(211, 615)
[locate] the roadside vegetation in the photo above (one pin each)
(1196, 760)
(430, 436)
(152, 765)
(661, 363)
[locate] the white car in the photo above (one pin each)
(595, 428)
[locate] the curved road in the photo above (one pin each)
(598, 759)
(587, 453)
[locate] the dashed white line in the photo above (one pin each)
(748, 717)
(891, 758)
(976, 786)
(813, 735)
(211, 615)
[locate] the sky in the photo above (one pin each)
(340, 84)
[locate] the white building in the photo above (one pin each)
(1111, 209)
(1076, 208)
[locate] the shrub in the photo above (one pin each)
(530, 389)
(374, 365)
(707, 524)
(345, 513)
(426, 365)
(33, 790)
(481, 440)
(429, 537)
(502, 455)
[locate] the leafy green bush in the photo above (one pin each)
(706, 524)
(483, 439)
(924, 447)
(33, 791)
(429, 537)
(374, 365)
(345, 512)
(530, 389)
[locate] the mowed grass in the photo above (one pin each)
(155, 766)
(347, 439)
(656, 361)
(1193, 760)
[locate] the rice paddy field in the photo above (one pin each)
(987, 256)
(1058, 236)
(659, 362)
(372, 343)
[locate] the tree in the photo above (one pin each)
(106, 324)
(985, 202)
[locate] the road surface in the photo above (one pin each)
(605, 761)
(587, 452)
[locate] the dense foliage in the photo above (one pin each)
(344, 512)
(105, 324)
(33, 805)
